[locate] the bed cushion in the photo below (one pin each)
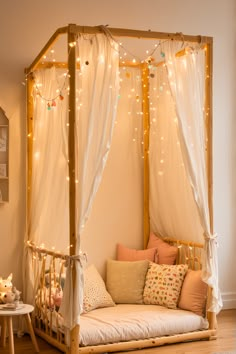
(166, 253)
(130, 254)
(125, 281)
(126, 322)
(163, 284)
(95, 293)
(194, 293)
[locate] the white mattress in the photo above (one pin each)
(133, 322)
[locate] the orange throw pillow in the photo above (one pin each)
(129, 254)
(194, 293)
(166, 253)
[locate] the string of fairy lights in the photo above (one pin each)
(51, 102)
(131, 83)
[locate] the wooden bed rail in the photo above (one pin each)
(49, 269)
(51, 275)
(189, 253)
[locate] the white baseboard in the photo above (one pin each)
(229, 300)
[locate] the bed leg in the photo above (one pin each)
(74, 342)
(214, 337)
(211, 316)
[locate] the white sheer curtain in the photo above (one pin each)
(171, 198)
(48, 218)
(187, 81)
(97, 88)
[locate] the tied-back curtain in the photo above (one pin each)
(48, 221)
(187, 82)
(98, 90)
(171, 199)
(97, 96)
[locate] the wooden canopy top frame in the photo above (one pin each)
(72, 31)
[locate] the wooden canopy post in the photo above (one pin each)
(30, 130)
(146, 128)
(209, 131)
(74, 335)
(209, 126)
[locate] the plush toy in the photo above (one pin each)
(57, 297)
(5, 288)
(17, 295)
(8, 297)
(8, 292)
(6, 284)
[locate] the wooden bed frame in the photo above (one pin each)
(188, 253)
(72, 30)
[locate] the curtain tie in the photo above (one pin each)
(211, 238)
(70, 260)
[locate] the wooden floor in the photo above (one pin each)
(224, 344)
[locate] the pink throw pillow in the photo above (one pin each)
(166, 253)
(129, 254)
(194, 293)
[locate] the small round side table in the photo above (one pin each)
(6, 315)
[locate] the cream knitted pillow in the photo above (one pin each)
(95, 293)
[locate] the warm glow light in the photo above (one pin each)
(72, 44)
(37, 155)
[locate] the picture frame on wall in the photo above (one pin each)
(3, 170)
(3, 139)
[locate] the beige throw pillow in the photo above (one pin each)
(125, 281)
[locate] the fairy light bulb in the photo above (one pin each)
(37, 155)
(102, 59)
(72, 44)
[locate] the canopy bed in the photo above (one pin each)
(72, 108)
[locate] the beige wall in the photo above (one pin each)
(26, 25)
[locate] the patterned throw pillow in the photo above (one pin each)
(163, 284)
(95, 293)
